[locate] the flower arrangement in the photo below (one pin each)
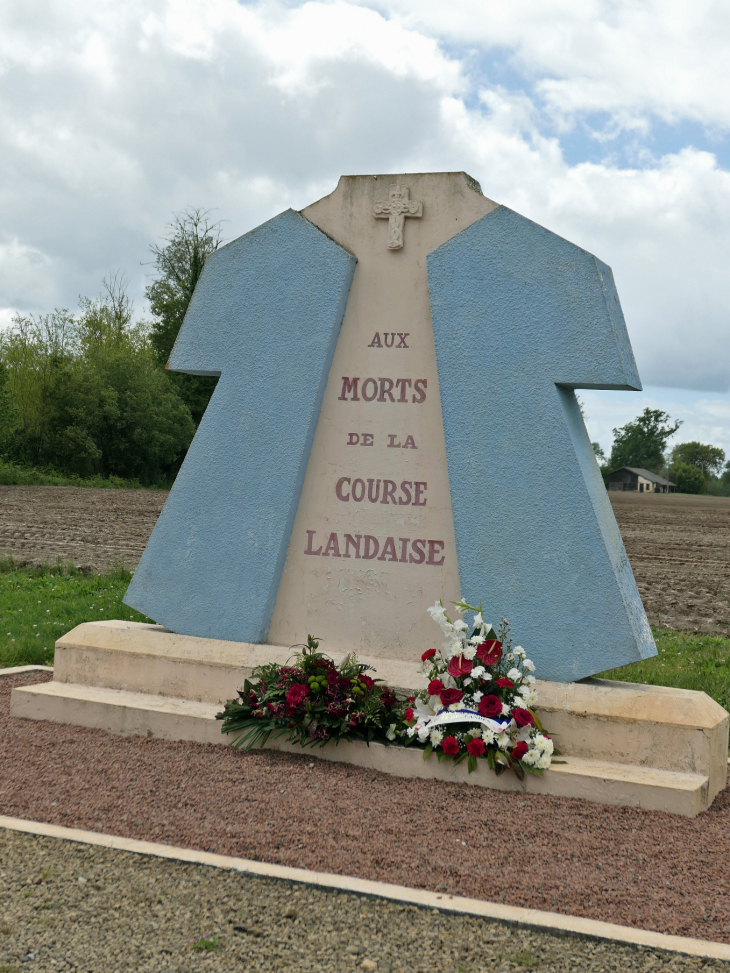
(479, 699)
(312, 702)
(478, 704)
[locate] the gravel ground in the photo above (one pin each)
(68, 907)
(636, 868)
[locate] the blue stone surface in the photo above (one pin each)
(521, 318)
(265, 316)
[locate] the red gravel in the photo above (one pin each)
(638, 868)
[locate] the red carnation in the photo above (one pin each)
(296, 695)
(435, 687)
(519, 750)
(369, 682)
(523, 717)
(459, 666)
(332, 678)
(489, 653)
(504, 683)
(450, 746)
(450, 696)
(410, 700)
(490, 706)
(408, 715)
(476, 747)
(428, 654)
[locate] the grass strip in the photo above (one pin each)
(40, 604)
(12, 474)
(686, 661)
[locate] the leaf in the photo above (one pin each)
(535, 771)
(558, 762)
(536, 718)
(461, 758)
(472, 764)
(428, 751)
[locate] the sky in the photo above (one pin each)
(606, 121)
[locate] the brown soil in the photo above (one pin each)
(637, 868)
(93, 528)
(679, 548)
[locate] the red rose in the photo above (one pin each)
(476, 747)
(332, 678)
(296, 695)
(489, 653)
(411, 700)
(450, 696)
(408, 715)
(450, 746)
(459, 666)
(435, 687)
(369, 682)
(519, 750)
(522, 717)
(428, 654)
(504, 683)
(490, 706)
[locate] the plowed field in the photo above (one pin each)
(679, 546)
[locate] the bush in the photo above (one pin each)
(689, 479)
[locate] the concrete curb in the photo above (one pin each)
(531, 918)
(14, 670)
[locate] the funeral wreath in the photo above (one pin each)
(479, 699)
(478, 704)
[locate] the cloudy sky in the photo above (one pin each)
(606, 121)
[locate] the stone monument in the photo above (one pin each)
(396, 422)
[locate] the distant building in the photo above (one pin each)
(638, 480)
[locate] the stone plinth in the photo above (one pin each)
(624, 744)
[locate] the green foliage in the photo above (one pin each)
(686, 661)
(709, 459)
(179, 263)
(40, 604)
(12, 474)
(88, 398)
(641, 443)
(689, 479)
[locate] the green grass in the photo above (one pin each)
(12, 474)
(39, 605)
(686, 661)
(206, 945)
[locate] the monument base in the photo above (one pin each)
(648, 747)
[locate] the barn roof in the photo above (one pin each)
(646, 474)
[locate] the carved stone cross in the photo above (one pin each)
(395, 210)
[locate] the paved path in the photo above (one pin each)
(71, 907)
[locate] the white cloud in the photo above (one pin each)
(114, 116)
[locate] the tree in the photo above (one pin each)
(689, 478)
(88, 395)
(179, 262)
(641, 443)
(709, 459)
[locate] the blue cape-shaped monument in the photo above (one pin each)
(396, 422)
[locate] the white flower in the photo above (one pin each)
(519, 652)
(488, 736)
(503, 741)
(460, 625)
(544, 762)
(468, 681)
(438, 614)
(543, 744)
(506, 709)
(436, 737)
(475, 731)
(411, 731)
(478, 620)
(531, 700)
(524, 691)
(476, 639)
(477, 696)
(477, 672)
(469, 652)
(509, 657)
(532, 756)
(528, 664)
(530, 680)
(390, 735)
(423, 734)
(514, 674)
